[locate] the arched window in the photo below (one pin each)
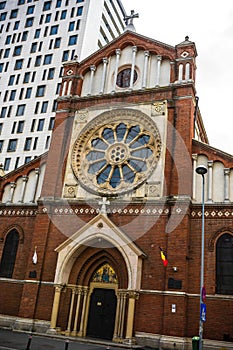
(124, 77)
(224, 264)
(187, 71)
(9, 254)
(64, 88)
(181, 68)
(105, 274)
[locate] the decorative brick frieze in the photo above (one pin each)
(18, 212)
(213, 213)
(129, 210)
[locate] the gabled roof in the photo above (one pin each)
(130, 38)
(213, 153)
(23, 169)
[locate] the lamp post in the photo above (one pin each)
(202, 170)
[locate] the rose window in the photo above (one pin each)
(116, 157)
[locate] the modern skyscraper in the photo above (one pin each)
(37, 37)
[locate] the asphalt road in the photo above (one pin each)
(20, 341)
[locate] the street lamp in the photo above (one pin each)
(202, 170)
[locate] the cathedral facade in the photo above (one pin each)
(101, 236)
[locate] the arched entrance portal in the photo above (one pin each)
(97, 279)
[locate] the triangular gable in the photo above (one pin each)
(212, 153)
(23, 185)
(147, 61)
(100, 223)
(128, 38)
(100, 227)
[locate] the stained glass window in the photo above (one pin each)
(119, 154)
(105, 274)
(124, 76)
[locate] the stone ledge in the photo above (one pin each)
(163, 342)
(24, 324)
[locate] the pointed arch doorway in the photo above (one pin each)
(102, 303)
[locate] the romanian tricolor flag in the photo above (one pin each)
(163, 257)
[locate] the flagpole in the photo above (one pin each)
(202, 170)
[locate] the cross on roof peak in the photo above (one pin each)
(129, 19)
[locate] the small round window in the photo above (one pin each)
(124, 76)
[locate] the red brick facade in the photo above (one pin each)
(172, 222)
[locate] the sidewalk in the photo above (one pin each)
(12, 340)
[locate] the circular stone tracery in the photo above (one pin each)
(117, 153)
(116, 157)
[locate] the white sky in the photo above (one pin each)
(210, 25)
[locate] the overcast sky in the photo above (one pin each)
(210, 25)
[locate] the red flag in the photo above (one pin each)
(163, 257)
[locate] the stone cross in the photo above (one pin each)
(131, 17)
(104, 202)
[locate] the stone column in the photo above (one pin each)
(104, 74)
(226, 184)
(79, 292)
(122, 318)
(55, 309)
(159, 60)
(134, 51)
(70, 312)
(92, 68)
(25, 179)
(145, 69)
(12, 191)
(37, 172)
(118, 53)
(82, 322)
(210, 181)
(130, 317)
(194, 157)
(116, 327)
